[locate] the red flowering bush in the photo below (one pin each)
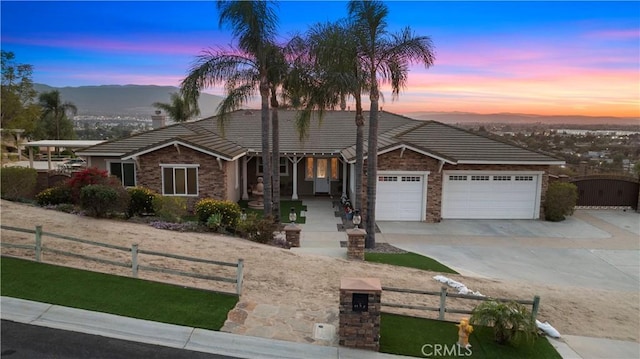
(86, 177)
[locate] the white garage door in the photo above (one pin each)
(400, 197)
(490, 196)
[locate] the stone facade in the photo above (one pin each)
(212, 180)
(355, 243)
(413, 161)
(360, 329)
(292, 235)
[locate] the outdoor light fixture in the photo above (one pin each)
(356, 218)
(243, 215)
(292, 215)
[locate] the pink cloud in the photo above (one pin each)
(626, 34)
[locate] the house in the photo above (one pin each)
(427, 170)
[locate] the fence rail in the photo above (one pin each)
(442, 309)
(38, 248)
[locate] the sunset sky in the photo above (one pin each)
(550, 58)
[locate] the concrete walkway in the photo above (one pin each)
(320, 235)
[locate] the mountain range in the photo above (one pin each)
(137, 100)
(124, 100)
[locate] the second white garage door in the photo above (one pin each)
(400, 197)
(490, 195)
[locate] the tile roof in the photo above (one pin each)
(335, 134)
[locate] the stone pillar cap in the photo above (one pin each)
(292, 227)
(361, 284)
(355, 232)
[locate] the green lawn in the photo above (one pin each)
(407, 336)
(410, 260)
(285, 208)
(124, 296)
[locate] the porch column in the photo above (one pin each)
(49, 157)
(245, 194)
(295, 161)
(344, 178)
(30, 157)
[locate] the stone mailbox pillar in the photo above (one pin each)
(292, 235)
(360, 313)
(355, 243)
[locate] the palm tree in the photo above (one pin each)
(386, 57)
(52, 105)
(253, 23)
(179, 109)
(328, 73)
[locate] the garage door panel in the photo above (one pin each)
(490, 196)
(399, 197)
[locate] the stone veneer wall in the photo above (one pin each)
(212, 181)
(413, 161)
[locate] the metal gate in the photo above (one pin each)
(607, 191)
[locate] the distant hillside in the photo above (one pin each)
(124, 100)
(515, 118)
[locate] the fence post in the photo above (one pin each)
(443, 299)
(134, 260)
(535, 307)
(38, 243)
(239, 275)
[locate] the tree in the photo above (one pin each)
(386, 57)
(17, 109)
(253, 24)
(179, 109)
(54, 114)
(336, 73)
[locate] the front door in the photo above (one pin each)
(322, 175)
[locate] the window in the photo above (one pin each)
(388, 178)
(334, 168)
(479, 178)
(411, 179)
(502, 178)
(180, 180)
(524, 178)
(308, 171)
(457, 178)
(284, 168)
(126, 172)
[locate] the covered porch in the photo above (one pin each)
(301, 174)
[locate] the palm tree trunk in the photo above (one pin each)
(357, 200)
(372, 165)
(275, 135)
(266, 155)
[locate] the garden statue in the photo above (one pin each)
(258, 191)
(464, 330)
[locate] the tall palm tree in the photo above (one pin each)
(334, 73)
(52, 105)
(253, 24)
(179, 109)
(386, 58)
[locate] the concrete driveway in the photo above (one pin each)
(593, 248)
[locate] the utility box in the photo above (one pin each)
(360, 313)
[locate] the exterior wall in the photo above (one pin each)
(212, 181)
(413, 161)
(234, 184)
(101, 162)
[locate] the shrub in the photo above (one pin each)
(87, 177)
(560, 201)
(511, 321)
(215, 222)
(17, 182)
(229, 212)
(141, 201)
(256, 229)
(54, 196)
(99, 200)
(170, 209)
